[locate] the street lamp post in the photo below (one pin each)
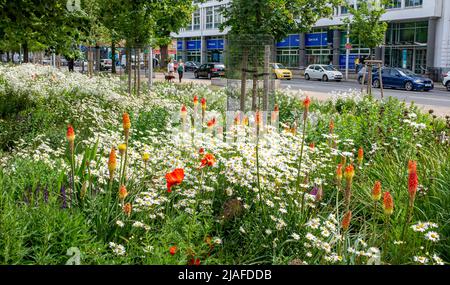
(347, 54)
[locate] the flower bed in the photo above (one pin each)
(348, 181)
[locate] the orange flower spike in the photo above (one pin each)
(208, 160)
(349, 173)
(126, 122)
(245, 121)
(413, 183)
(388, 204)
(276, 108)
(195, 100)
(203, 104)
(211, 123)
(339, 172)
(360, 156)
(346, 220)
(412, 166)
(70, 134)
(174, 178)
(258, 117)
(306, 103)
(376, 192)
(331, 126)
(312, 146)
(237, 120)
(112, 162)
(183, 112)
(127, 209)
(173, 250)
(123, 193)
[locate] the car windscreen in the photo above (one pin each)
(279, 66)
(328, 68)
(406, 72)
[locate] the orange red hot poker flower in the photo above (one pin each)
(112, 162)
(339, 172)
(123, 193)
(388, 204)
(195, 100)
(70, 133)
(203, 104)
(346, 220)
(174, 178)
(126, 121)
(360, 155)
(376, 192)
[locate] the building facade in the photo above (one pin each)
(418, 38)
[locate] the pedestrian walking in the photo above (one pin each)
(180, 70)
(170, 70)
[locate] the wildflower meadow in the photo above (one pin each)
(92, 175)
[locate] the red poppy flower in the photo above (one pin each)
(174, 178)
(212, 122)
(194, 261)
(173, 250)
(208, 160)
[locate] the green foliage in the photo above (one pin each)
(365, 23)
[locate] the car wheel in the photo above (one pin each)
(325, 78)
(448, 86)
(196, 75)
(307, 76)
(376, 83)
(409, 86)
(338, 80)
(360, 79)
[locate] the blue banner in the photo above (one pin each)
(316, 39)
(290, 41)
(214, 44)
(179, 45)
(194, 45)
(351, 61)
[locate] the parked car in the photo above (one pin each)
(361, 74)
(105, 64)
(446, 81)
(280, 72)
(210, 70)
(402, 79)
(322, 72)
(190, 66)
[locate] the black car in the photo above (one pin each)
(190, 66)
(210, 70)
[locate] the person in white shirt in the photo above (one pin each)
(170, 68)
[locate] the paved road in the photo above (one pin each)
(437, 99)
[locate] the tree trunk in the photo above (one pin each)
(164, 50)
(138, 66)
(71, 63)
(255, 82)
(135, 71)
(244, 78)
(266, 77)
(8, 58)
(128, 68)
(113, 57)
(97, 58)
(25, 52)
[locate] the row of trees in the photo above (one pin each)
(61, 26)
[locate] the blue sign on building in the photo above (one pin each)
(194, 45)
(290, 41)
(214, 44)
(179, 45)
(351, 61)
(316, 39)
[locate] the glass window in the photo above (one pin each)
(413, 3)
(196, 20)
(218, 17)
(209, 18)
(394, 4)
